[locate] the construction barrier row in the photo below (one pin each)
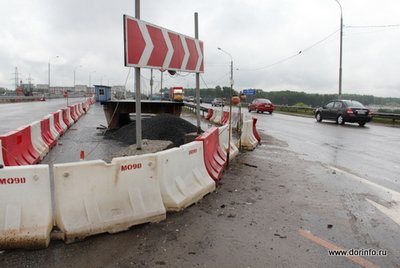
(92, 197)
(249, 138)
(29, 144)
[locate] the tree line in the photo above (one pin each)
(291, 98)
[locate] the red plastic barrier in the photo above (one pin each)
(17, 148)
(85, 106)
(214, 156)
(255, 132)
(65, 117)
(46, 133)
(225, 118)
(79, 109)
(57, 125)
(209, 113)
(74, 115)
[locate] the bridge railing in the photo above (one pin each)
(192, 107)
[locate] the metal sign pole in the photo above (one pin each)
(137, 92)
(196, 31)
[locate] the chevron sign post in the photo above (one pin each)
(151, 46)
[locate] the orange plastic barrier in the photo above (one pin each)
(46, 133)
(214, 156)
(255, 132)
(17, 148)
(209, 113)
(225, 118)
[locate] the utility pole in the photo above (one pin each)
(196, 34)
(230, 109)
(137, 92)
(341, 51)
(16, 79)
(151, 84)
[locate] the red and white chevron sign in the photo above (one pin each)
(151, 46)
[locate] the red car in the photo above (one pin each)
(261, 105)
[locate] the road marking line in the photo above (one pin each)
(394, 211)
(328, 245)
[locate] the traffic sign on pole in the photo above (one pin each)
(151, 46)
(249, 92)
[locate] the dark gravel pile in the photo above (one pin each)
(160, 127)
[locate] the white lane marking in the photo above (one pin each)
(392, 212)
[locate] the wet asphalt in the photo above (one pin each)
(15, 115)
(306, 183)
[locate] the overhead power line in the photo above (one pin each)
(374, 26)
(293, 55)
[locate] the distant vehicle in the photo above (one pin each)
(218, 102)
(176, 94)
(343, 111)
(261, 106)
(190, 99)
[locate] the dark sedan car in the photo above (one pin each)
(343, 111)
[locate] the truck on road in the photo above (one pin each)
(176, 94)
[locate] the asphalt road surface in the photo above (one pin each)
(307, 189)
(15, 115)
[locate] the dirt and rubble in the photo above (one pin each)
(158, 127)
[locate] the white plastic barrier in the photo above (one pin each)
(80, 105)
(78, 110)
(37, 141)
(53, 130)
(70, 119)
(223, 141)
(235, 120)
(60, 119)
(25, 207)
(182, 175)
(94, 197)
(248, 140)
(213, 115)
(218, 115)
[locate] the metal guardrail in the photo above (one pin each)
(302, 110)
(311, 111)
(192, 107)
(392, 116)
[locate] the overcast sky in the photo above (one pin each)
(259, 34)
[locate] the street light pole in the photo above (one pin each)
(75, 74)
(48, 67)
(230, 110)
(90, 78)
(341, 45)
